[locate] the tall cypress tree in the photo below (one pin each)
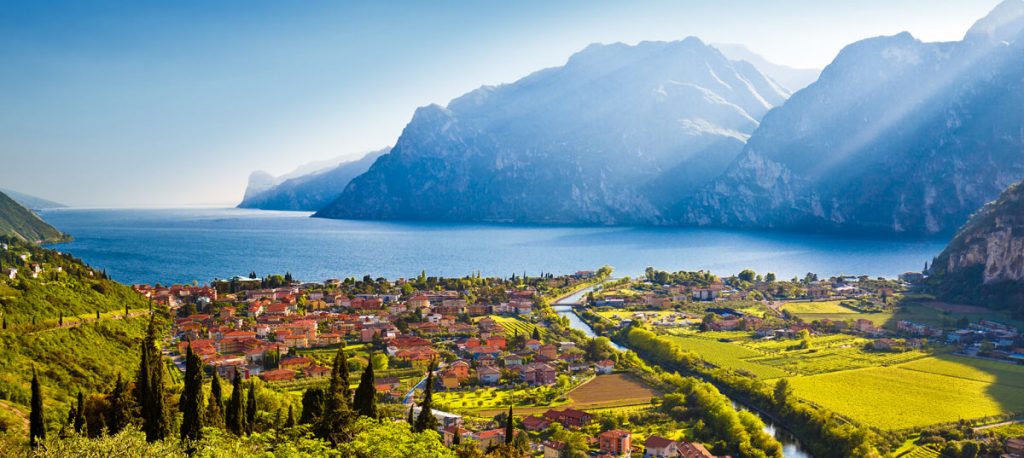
(410, 419)
(290, 423)
(365, 402)
(312, 406)
(426, 420)
(120, 413)
(510, 429)
(191, 401)
(337, 409)
(250, 409)
(36, 428)
(235, 415)
(150, 387)
(215, 406)
(80, 413)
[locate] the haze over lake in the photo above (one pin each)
(185, 245)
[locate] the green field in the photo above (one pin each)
(727, 355)
(900, 397)
(513, 324)
(830, 307)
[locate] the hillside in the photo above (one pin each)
(609, 138)
(20, 223)
(984, 263)
(896, 136)
(49, 323)
(32, 202)
(305, 192)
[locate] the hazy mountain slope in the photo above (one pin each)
(20, 223)
(307, 192)
(595, 141)
(984, 263)
(895, 136)
(32, 202)
(791, 78)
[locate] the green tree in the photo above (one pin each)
(191, 400)
(215, 405)
(426, 421)
(234, 417)
(250, 408)
(290, 423)
(337, 409)
(365, 402)
(80, 413)
(149, 387)
(36, 427)
(510, 429)
(119, 415)
(782, 393)
(312, 406)
(747, 275)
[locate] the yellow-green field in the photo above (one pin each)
(728, 355)
(830, 307)
(513, 325)
(916, 394)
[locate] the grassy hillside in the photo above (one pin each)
(50, 323)
(20, 223)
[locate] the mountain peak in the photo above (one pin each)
(1003, 24)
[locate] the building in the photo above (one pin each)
(605, 367)
(616, 442)
(488, 375)
(693, 450)
(570, 418)
(660, 447)
(553, 449)
(535, 423)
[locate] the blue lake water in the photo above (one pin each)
(183, 245)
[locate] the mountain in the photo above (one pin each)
(793, 79)
(611, 137)
(984, 263)
(896, 136)
(306, 192)
(20, 223)
(32, 202)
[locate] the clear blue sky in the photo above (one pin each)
(120, 103)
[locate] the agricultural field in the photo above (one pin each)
(729, 355)
(613, 390)
(619, 315)
(971, 369)
(830, 307)
(898, 398)
(513, 325)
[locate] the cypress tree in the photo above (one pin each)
(365, 402)
(290, 423)
(80, 413)
(36, 428)
(150, 388)
(426, 420)
(235, 415)
(312, 406)
(215, 406)
(191, 400)
(409, 419)
(120, 413)
(510, 429)
(337, 402)
(97, 315)
(60, 319)
(250, 409)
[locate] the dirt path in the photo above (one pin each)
(24, 418)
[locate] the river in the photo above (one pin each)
(790, 446)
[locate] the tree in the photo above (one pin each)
(782, 393)
(365, 402)
(120, 414)
(426, 421)
(312, 406)
(409, 419)
(747, 275)
(191, 400)
(770, 277)
(290, 423)
(234, 417)
(36, 428)
(215, 405)
(536, 333)
(337, 408)
(379, 361)
(510, 429)
(80, 413)
(149, 387)
(250, 409)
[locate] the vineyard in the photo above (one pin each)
(728, 355)
(515, 325)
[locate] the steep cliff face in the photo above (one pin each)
(21, 224)
(304, 191)
(984, 263)
(896, 136)
(612, 137)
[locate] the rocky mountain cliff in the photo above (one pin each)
(20, 223)
(304, 190)
(895, 136)
(984, 263)
(611, 137)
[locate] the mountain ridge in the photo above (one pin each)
(22, 224)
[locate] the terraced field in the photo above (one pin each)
(515, 324)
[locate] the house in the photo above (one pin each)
(449, 432)
(660, 447)
(616, 442)
(315, 371)
(693, 450)
(605, 367)
(570, 418)
(488, 375)
(278, 375)
(535, 423)
(489, 438)
(553, 449)
(538, 374)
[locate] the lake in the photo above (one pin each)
(201, 244)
